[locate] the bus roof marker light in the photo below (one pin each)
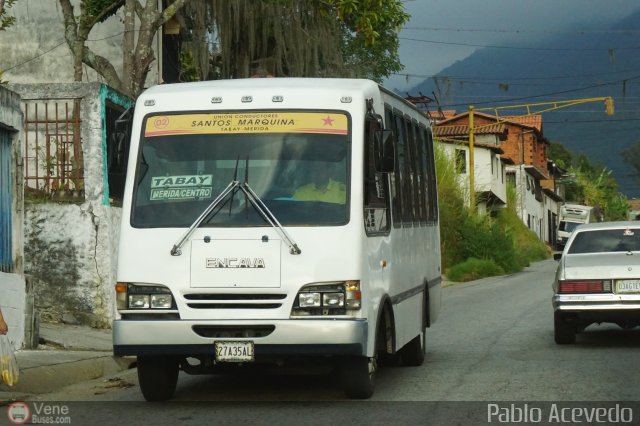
(346, 99)
(216, 100)
(149, 102)
(246, 99)
(277, 98)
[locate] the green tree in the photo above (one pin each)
(138, 53)
(591, 183)
(631, 156)
(597, 187)
(314, 38)
(284, 37)
(5, 19)
(5, 22)
(560, 155)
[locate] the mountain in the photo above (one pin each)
(571, 65)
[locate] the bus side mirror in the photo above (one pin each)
(123, 124)
(384, 151)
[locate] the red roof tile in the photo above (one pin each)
(534, 120)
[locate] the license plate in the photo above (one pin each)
(234, 351)
(628, 286)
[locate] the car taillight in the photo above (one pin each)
(585, 286)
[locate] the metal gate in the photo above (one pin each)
(6, 251)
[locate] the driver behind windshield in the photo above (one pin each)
(323, 186)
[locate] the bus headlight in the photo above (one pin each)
(309, 300)
(138, 301)
(161, 301)
(131, 296)
(331, 298)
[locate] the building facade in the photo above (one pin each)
(12, 280)
(74, 162)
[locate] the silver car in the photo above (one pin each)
(598, 279)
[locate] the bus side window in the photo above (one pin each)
(376, 196)
(394, 193)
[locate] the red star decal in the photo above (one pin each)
(328, 121)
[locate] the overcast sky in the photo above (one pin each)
(447, 26)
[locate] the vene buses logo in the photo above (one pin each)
(18, 413)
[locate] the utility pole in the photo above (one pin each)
(472, 179)
(531, 109)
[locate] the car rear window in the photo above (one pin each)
(606, 240)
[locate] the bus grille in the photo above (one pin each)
(234, 301)
(233, 331)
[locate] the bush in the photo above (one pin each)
(484, 238)
(473, 269)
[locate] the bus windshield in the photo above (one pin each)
(300, 174)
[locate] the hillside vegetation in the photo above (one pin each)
(478, 245)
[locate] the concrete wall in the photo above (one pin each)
(34, 49)
(12, 285)
(531, 211)
(12, 300)
(71, 247)
(486, 178)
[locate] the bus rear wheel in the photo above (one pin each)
(158, 377)
(359, 375)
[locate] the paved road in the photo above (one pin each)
(492, 344)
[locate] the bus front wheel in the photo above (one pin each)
(359, 375)
(158, 377)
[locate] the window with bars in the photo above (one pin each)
(53, 163)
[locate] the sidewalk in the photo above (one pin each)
(67, 354)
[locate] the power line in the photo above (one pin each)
(497, 30)
(549, 49)
(498, 79)
(593, 86)
(35, 57)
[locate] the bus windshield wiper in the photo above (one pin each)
(269, 217)
(176, 249)
(256, 202)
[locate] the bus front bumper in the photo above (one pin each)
(299, 337)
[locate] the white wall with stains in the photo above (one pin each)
(71, 245)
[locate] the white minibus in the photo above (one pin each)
(269, 221)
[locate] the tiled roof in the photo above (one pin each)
(463, 129)
(534, 120)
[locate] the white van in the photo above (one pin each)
(571, 216)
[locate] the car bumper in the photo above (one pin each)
(598, 308)
(288, 337)
(587, 302)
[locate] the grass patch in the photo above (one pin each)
(473, 269)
